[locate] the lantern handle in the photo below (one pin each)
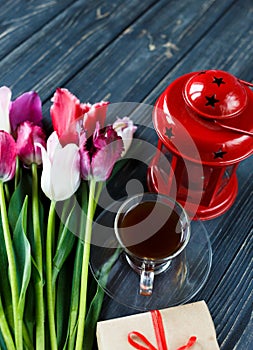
(245, 82)
(244, 132)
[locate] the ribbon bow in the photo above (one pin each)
(160, 336)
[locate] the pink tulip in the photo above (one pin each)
(28, 135)
(99, 153)
(70, 117)
(125, 128)
(96, 113)
(26, 107)
(8, 155)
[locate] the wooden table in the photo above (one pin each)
(129, 51)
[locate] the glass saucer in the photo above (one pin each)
(183, 279)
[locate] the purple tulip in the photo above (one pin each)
(99, 153)
(26, 107)
(8, 153)
(28, 135)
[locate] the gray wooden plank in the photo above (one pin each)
(246, 340)
(232, 306)
(227, 46)
(66, 44)
(167, 26)
(228, 236)
(151, 47)
(21, 19)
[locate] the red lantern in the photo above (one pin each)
(204, 122)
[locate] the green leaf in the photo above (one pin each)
(23, 255)
(24, 189)
(63, 293)
(64, 246)
(2, 343)
(17, 199)
(5, 284)
(82, 198)
(73, 314)
(29, 312)
(96, 304)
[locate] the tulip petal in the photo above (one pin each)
(85, 165)
(104, 159)
(96, 113)
(26, 107)
(53, 143)
(125, 128)
(28, 135)
(5, 100)
(65, 111)
(60, 177)
(8, 155)
(65, 172)
(46, 174)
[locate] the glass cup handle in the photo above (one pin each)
(146, 279)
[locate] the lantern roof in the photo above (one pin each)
(214, 109)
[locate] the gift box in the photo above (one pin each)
(187, 326)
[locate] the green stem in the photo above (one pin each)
(12, 271)
(73, 314)
(64, 214)
(17, 173)
(75, 293)
(7, 192)
(85, 265)
(5, 329)
(50, 290)
(27, 340)
(40, 317)
(98, 192)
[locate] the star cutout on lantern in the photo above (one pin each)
(218, 81)
(169, 133)
(211, 100)
(219, 154)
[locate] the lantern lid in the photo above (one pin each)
(195, 105)
(215, 94)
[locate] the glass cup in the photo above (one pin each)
(152, 229)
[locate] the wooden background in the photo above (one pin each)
(125, 51)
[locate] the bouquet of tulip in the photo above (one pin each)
(47, 300)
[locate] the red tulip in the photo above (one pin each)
(65, 112)
(8, 153)
(28, 135)
(99, 153)
(69, 115)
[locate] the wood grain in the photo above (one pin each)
(130, 51)
(19, 20)
(51, 56)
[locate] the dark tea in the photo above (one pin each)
(151, 230)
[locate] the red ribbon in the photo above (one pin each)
(160, 336)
